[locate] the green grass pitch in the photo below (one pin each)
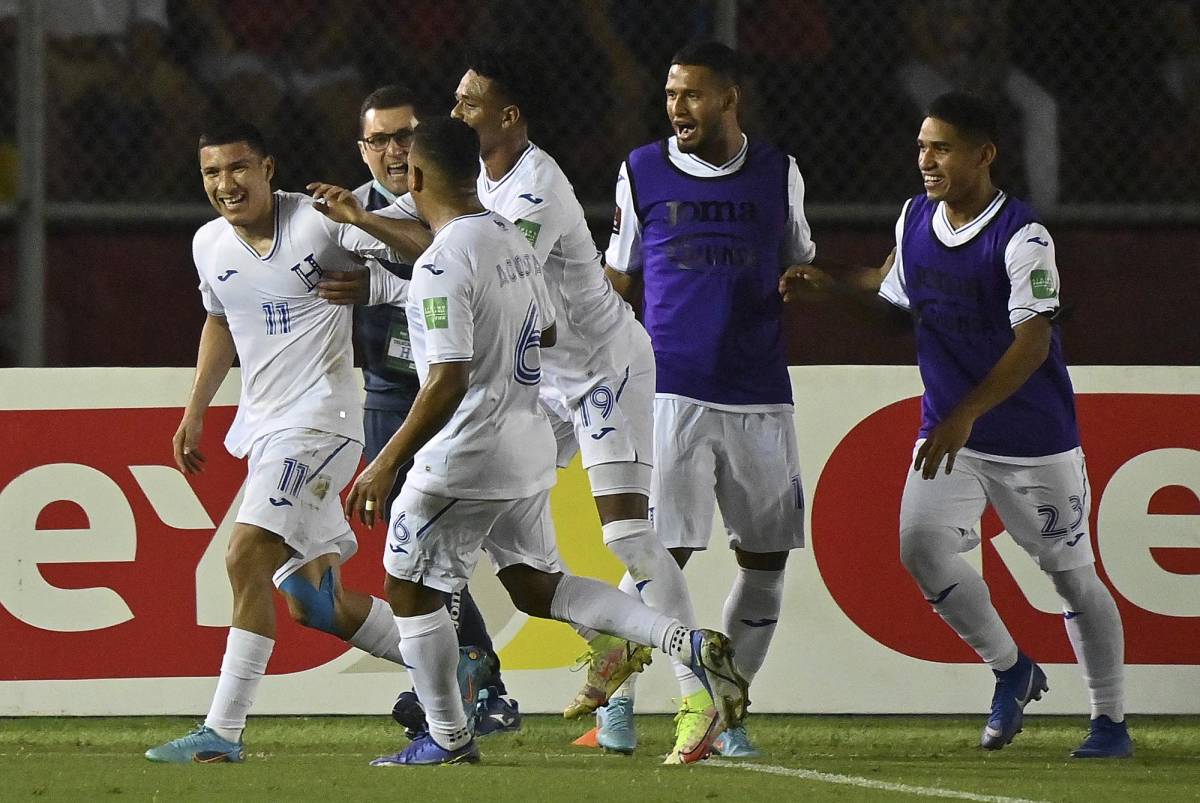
(807, 757)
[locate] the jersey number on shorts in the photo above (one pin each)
(294, 476)
(279, 320)
(527, 361)
(1050, 528)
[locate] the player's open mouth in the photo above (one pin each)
(685, 131)
(933, 181)
(398, 169)
(233, 201)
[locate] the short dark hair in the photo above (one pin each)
(226, 133)
(392, 96)
(971, 115)
(451, 145)
(510, 73)
(721, 59)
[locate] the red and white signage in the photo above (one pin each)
(113, 597)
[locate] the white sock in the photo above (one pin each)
(750, 615)
(244, 664)
(1094, 627)
(588, 602)
(629, 688)
(957, 593)
(431, 646)
(658, 577)
(378, 634)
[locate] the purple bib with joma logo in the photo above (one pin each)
(959, 297)
(711, 259)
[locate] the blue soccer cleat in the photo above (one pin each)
(1105, 739)
(735, 743)
(474, 670)
(425, 751)
(1015, 688)
(712, 662)
(496, 714)
(614, 726)
(201, 746)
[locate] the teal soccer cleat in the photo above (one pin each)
(735, 743)
(614, 726)
(201, 746)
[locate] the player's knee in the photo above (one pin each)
(312, 606)
(923, 548)
(531, 591)
(637, 547)
(1076, 586)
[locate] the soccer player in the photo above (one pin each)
(708, 220)
(386, 121)
(975, 267)
(478, 312)
(597, 383)
(298, 419)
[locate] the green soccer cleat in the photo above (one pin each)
(609, 661)
(712, 662)
(696, 725)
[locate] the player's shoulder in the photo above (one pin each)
(655, 148)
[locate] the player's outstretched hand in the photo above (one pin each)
(345, 287)
(369, 493)
(944, 441)
(187, 437)
(336, 203)
(800, 279)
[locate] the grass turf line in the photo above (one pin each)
(293, 757)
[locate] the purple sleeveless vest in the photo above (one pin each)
(711, 256)
(959, 298)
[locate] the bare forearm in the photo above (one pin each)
(213, 361)
(407, 238)
(432, 409)
(1011, 371)
(628, 286)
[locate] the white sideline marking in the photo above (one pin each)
(866, 783)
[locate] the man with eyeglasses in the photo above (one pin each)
(386, 121)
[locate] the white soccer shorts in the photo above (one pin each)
(612, 425)
(436, 541)
(295, 477)
(1044, 507)
(747, 463)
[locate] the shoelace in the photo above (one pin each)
(617, 716)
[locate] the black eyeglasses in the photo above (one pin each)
(379, 142)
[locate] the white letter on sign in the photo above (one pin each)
(1126, 532)
(111, 536)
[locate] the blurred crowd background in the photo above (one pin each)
(1100, 100)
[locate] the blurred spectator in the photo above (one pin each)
(963, 44)
(288, 67)
(115, 96)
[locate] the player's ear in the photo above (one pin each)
(269, 167)
(987, 154)
(510, 115)
(416, 179)
(733, 97)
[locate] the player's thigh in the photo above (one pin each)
(1045, 509)
(948, 502)
(292, 490)
(434, 540)
(563, 425)
(523, 533)
(614, 420)
(683, 483)
(758, 481)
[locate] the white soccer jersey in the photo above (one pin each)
(295, 349)
(536, 195)
(478, 296)
(1030, 249)
(624, 251)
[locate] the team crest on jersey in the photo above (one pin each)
(437, 313)
(308, 272)
(1042, 283)
(530, 230)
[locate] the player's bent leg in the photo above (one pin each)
(252, 557)
(1093, 626)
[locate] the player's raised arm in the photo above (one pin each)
(213, 361)
(407, 237)
(798, 280)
